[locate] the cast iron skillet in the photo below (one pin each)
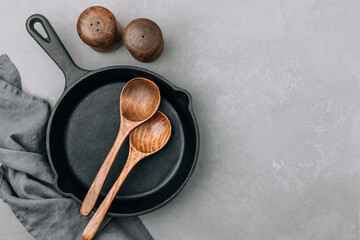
(84, 123)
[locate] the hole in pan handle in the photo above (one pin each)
(53, 46)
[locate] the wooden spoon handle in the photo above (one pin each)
(95, 188)
(100, 213)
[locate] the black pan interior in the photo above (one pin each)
(84, 126)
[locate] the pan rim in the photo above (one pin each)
(174, 87)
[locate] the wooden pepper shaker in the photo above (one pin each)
(98, 28)
(144, 40)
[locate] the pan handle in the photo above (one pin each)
(54, 48)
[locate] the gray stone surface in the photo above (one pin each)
(276, 90)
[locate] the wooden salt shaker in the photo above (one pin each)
(144, 40)
(98, 28)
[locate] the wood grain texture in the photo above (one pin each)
(139, 100)
(95, 188)
(152, 135)
(146, 139)
(98, 28)
(144, 40)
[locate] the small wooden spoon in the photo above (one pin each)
(145, 140)
(139, 100)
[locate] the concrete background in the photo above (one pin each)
(276, 92)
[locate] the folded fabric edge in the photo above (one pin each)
(144, 231)
(11, 71)
(10, 89)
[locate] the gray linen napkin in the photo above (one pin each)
(26, 179)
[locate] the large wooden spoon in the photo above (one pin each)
(139, 100)
(145, 140)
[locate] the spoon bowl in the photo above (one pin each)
(152, 135)
(138, 99)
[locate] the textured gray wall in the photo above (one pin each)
(276, 91)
